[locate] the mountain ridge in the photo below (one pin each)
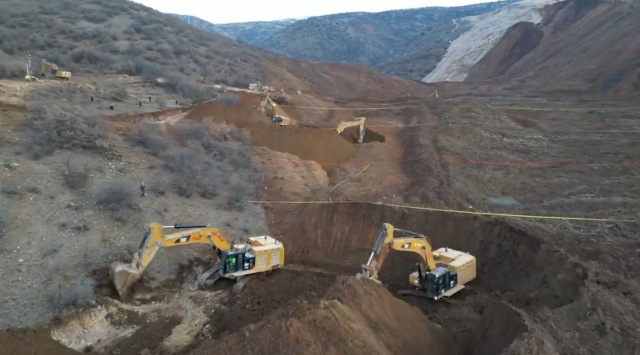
(407, 43)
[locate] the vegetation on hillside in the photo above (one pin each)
(119, 36)
(407, 43)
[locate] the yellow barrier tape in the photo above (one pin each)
(427, 104)
(431, 209)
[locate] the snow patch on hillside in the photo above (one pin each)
(486, 31)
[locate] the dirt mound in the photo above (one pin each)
(321, 145)
(519, 40)
(283, 289)
(586, 49)
(33, 342)
(352, 317)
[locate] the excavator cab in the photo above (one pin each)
(440, 281)
(236, 261)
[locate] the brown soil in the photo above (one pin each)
(518, 41)
(320, 145)
(32, 342)
(333, 316)
(586, 49)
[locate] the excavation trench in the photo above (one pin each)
(514, 268)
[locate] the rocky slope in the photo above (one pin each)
(407, 43)
(485, 32)
(580, 47)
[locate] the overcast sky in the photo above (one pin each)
(225, 11)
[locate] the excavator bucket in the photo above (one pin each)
(123, 276)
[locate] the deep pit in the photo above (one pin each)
(370, 136)
(514, 268)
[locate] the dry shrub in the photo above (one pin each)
(148, 136)
(64, 127)
(118, 197)
(201, 162)
(76, 175)
(81, 294)
(11, 67)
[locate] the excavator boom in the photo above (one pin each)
(124, 275)
(440, 273)
(385, 241)
(357, 122)
(259, 254)
(55, 71)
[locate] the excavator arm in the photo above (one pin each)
(55, 71)
(386, 241)
(45, 63)
(124, 275)
(357, 122)
(276, 116)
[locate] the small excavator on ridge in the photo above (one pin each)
(237, 261)
(440, 273)
(60, 74)
(276, 116)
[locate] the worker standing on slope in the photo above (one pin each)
(142, 189)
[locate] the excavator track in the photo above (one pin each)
(204, 280)
(421, 294)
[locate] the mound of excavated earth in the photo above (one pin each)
(352, 317)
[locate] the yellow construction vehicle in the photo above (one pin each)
(29, 77)
(357, 122)
(237, 261)
(440, 273)
(276, 116)
(60, 74)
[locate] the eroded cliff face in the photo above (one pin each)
(486, 31)
(585, 47)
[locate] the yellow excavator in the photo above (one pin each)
(29, 76)
(356, 122)
(237, 261)
(60, 74)
(276, 116)
(440, 273)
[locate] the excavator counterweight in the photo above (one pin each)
(439, 274)
(237, 260)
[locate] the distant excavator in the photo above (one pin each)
(276, 116)
(60, 74)
(29, 76)
(237, 261)
(356, 122)
(441, 273)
